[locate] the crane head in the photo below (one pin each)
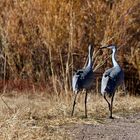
(90, 47)
(109, 46)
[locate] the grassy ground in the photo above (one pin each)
(34, 116)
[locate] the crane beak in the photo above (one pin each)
(103, 47)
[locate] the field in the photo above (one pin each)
(33, 116)
(42, 43)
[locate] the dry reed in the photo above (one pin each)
(43, 41)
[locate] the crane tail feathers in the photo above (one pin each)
(75, 83)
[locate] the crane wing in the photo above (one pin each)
(85, 73)
(74, 83)
(109, 80)
(82, 79)
(76, 79)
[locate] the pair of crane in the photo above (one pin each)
(111, 79)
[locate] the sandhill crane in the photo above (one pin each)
(83, 79)
(111, 79)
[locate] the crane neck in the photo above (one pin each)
(114, 58)
(90, 58)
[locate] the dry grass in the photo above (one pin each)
(41, 117)
(42, 42)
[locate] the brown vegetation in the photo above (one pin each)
(32, 116)
(41, 42)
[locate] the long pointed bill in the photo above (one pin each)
(103, 47)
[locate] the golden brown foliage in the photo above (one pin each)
(42, 41)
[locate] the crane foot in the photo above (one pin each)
(110, 117)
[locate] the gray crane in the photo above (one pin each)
(111, 79)
(83, 79)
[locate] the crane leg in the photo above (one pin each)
(124, 88)
(74, 102)
(107, 101)
(111, 106)
(86, 104)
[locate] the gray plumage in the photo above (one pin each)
(111, 79)
(83, 79)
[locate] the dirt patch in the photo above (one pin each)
(120, 128)
(37, 117)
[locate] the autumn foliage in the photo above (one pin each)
(43, 41)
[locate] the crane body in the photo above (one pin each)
(83, 79)
(111, 79)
